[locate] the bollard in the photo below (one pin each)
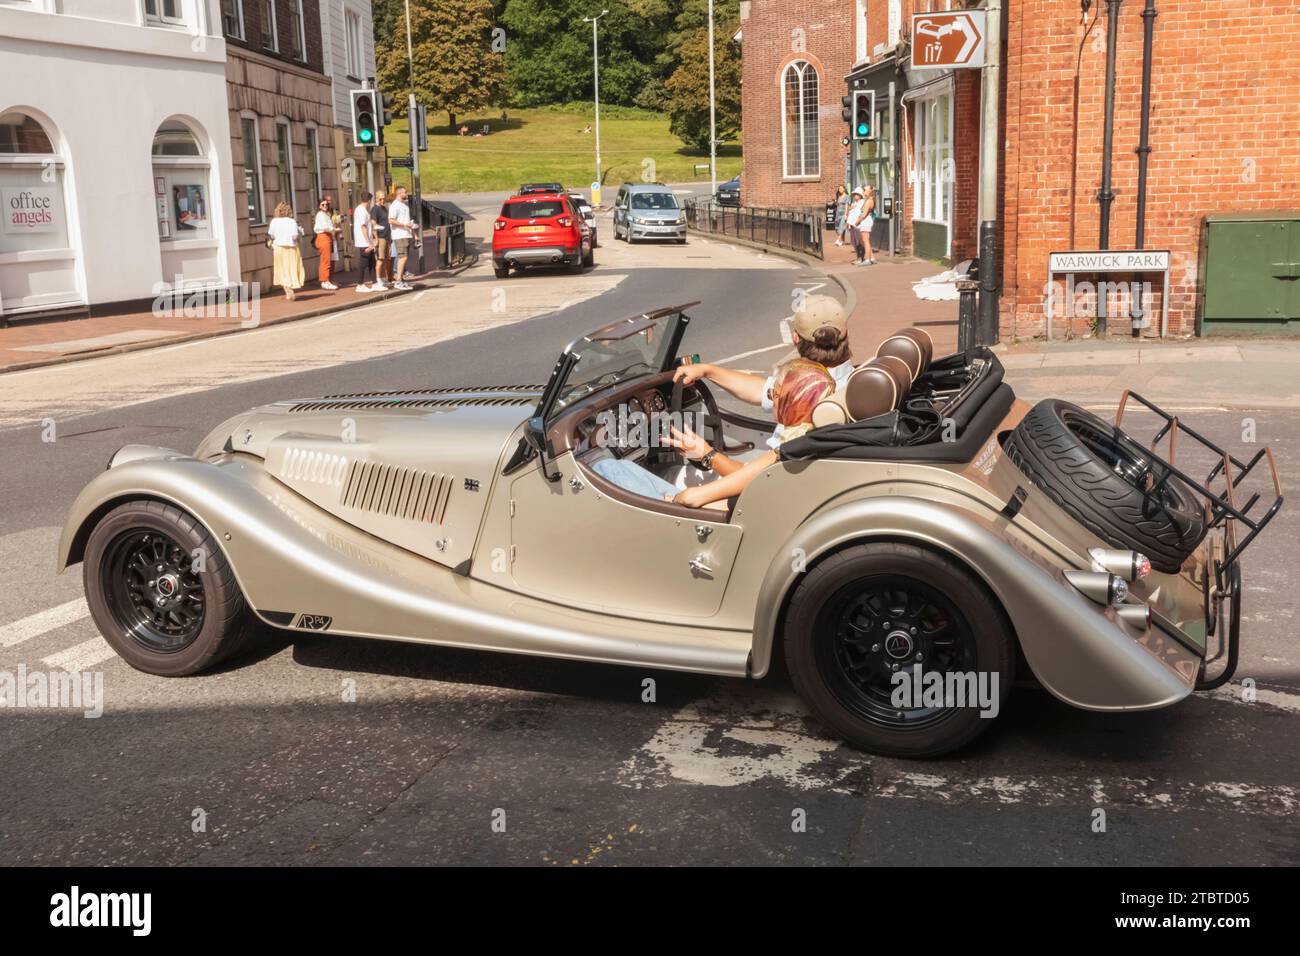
(967, 313)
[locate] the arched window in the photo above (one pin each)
(799, 128)
(38, 260)
(180, 183)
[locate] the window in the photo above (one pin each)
(180, 184)
(860, 31)
(799, 127)
(232, 18)
(168, 11)
(932, 194)
(270, 33)
(654, 201)
(284, 162)
(352, 41)
(297, 31)
(313, 165)
(33, 204)
(252, 169)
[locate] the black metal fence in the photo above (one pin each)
(444, 236)
(794, 229)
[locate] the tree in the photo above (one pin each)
(688, 87)
(459, 64)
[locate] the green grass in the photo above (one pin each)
(548, 144)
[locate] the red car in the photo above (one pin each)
(540, 229)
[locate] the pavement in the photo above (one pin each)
(327, 750)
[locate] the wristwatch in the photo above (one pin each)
(705, 463)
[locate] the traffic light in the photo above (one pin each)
(864, 114)
(385, 113)
(365, 129)
(846, 113)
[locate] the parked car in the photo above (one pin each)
(540, 229)
(964, 534)
(527, 189)
(728, 193)
(648, 211)
(588, 214)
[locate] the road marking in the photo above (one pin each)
(1270, 698)
(737, 358)
(81, 656)
(34, 625)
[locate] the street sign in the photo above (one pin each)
(948, 40)
(1109, 261)
(401, 162)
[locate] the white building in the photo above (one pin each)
(115, 158)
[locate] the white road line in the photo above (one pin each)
(81, 656)
(34, 625)
(766, 348)
(1270, 698)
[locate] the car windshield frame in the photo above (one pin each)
(673, 204)
(645, 344)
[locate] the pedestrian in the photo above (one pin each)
(868, 222)
(841, 207)
(283, 235)
(404, 229)
(363, 237)
(324, 241)
(383, 241)
(852, 219)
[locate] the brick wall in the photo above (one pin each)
(1225, 136)
(256, 28)
(776, 33)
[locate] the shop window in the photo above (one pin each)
(932, 195)
(181, 182)
(800, 129)
(31, 188)
(252, 168)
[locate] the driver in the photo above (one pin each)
(820, 331)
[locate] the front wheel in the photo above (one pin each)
(898, 650)
(161, 592)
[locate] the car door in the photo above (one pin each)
(577, 546)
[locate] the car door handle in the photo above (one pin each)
(698, 566)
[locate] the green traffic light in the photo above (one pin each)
(863, 129)
(365, 135)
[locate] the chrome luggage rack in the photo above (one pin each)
(1221, 510)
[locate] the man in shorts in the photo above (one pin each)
(399, 219)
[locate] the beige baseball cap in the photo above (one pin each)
(819, 311)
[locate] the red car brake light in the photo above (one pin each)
(499, 224)
(564, 221)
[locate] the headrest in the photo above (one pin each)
(877, 387)
(913, 346)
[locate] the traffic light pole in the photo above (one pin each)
(411, 118)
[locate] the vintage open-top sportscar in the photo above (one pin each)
(959, 539)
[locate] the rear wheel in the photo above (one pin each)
(161, 591)
(868, 615)
(500, 269)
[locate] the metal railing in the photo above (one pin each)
(444, 236)
(795, 229)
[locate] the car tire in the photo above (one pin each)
(681, 241)
(1091, 470)
(862, 614)
(501, 270)
(209, 620)
(594, 243)
(576, 263)
(589, 260)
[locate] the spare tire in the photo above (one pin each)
(1107, 482)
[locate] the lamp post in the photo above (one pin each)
(412, 115)
(595, 72)
(713, 118)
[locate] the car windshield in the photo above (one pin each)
(533, 209)
(654, 201)
(618, 352)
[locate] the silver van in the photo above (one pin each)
(648, 211)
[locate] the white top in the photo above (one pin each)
(284, 231)
(399, 218)
(324, 222)
(361, 227)
(855, 212)
(839, 373)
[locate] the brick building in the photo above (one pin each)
(1223, 137)
(281, 107)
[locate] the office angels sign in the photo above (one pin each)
(30, 209)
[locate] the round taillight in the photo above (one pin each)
(1141, 566)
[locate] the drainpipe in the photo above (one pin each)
(1106, 196)
(1137, 312)
(990, 150)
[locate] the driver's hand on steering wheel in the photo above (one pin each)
(690, 374)
(687, 442)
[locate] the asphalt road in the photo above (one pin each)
(327, 750)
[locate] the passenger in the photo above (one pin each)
(821, 334)
(800, 385)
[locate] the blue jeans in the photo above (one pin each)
(632, 477)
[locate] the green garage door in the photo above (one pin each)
(1252, 274)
